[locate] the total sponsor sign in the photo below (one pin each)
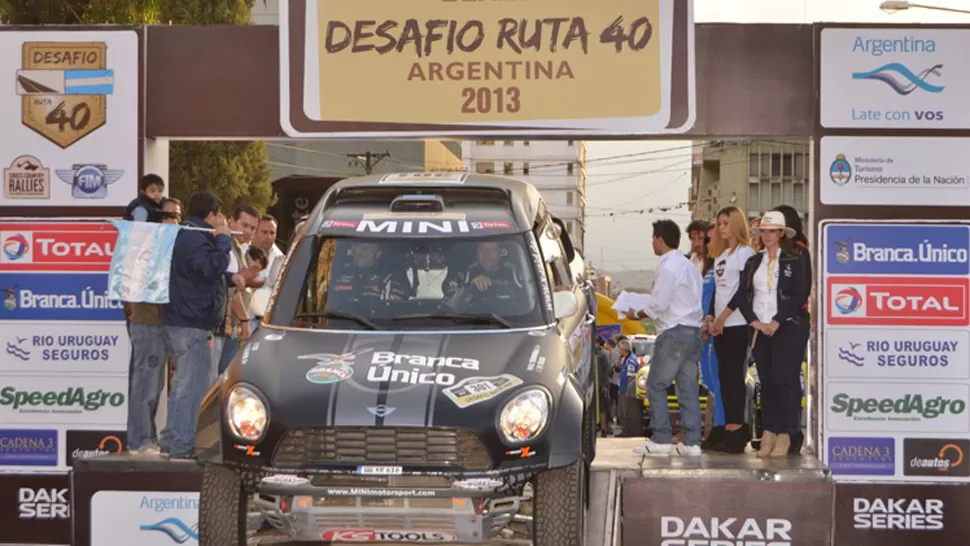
(897, 407)
(897, 353)
(899, 301)
(897, 249)
(57, 296)
(56, 347)
(148, 518)
(78, 246)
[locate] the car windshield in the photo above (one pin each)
(643, 347)
(407, 284)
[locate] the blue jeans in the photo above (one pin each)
(229, 349)
(193, 367)
(676, 355)
(149, 360)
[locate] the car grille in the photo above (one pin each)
(431, 447)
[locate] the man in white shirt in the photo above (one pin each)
(674, 304)
(265, 238)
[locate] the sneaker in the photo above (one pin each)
(653, 448)
(689, 451)
(148, 450)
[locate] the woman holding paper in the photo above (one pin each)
(775, 287)
(731, 249)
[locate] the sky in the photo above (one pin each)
(631, 176)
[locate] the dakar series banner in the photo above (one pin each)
(451, 67)
(64, 348)
(707, 512)
(900, 514)
(70, 118)
(35, 509)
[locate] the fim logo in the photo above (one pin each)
(26, 178)
(89, 181)
(176, 530)
(841, 171)
(64, 88)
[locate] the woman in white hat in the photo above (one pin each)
(774, 287)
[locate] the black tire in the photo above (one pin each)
(559, 502)
(222, 508)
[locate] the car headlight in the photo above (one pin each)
(642, 381)
(247, 414)
(525, 416)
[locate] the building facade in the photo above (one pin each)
(556, 168)
(755, 175)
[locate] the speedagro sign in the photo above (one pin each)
(554, 67)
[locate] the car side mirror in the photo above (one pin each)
(565, 304)
(259, 302)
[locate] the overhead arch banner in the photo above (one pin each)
(386, 68)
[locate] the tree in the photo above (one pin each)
(238, 172)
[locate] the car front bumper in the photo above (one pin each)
(406, 508)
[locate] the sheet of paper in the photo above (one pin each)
(627, 300)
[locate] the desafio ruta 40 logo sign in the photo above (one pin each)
(64, 86)
(577, 62)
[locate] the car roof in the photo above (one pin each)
(506, 204)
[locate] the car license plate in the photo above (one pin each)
(380, 470)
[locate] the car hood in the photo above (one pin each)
(323, 379)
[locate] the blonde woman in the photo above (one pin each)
(756, 240)
(731, 249)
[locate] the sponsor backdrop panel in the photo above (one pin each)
(56, 246)
(35, 509)
(71, 118)
(67, 400)
(68, 297)
(136, 503)
(701, 511)
(902, 78)
(896, 379)
(62, 347)
(900, 515)
(897, 353)
(148, 518)
(894, 171)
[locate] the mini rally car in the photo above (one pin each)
(424, 355)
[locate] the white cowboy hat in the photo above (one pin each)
(774, 220)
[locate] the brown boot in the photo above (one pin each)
(768, 440)
(782, 444)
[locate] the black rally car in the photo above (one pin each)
(425, 354)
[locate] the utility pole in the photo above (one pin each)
(368, 160)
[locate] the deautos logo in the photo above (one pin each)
(902, 301)
(69, 400)
(898, 249)
(898, 407)
(63, 297)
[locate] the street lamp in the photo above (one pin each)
(892, 6)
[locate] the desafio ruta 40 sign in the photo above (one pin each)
(529, 64)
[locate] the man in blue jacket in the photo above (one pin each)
(197, 304)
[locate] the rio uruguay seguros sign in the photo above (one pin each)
(532, 67)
